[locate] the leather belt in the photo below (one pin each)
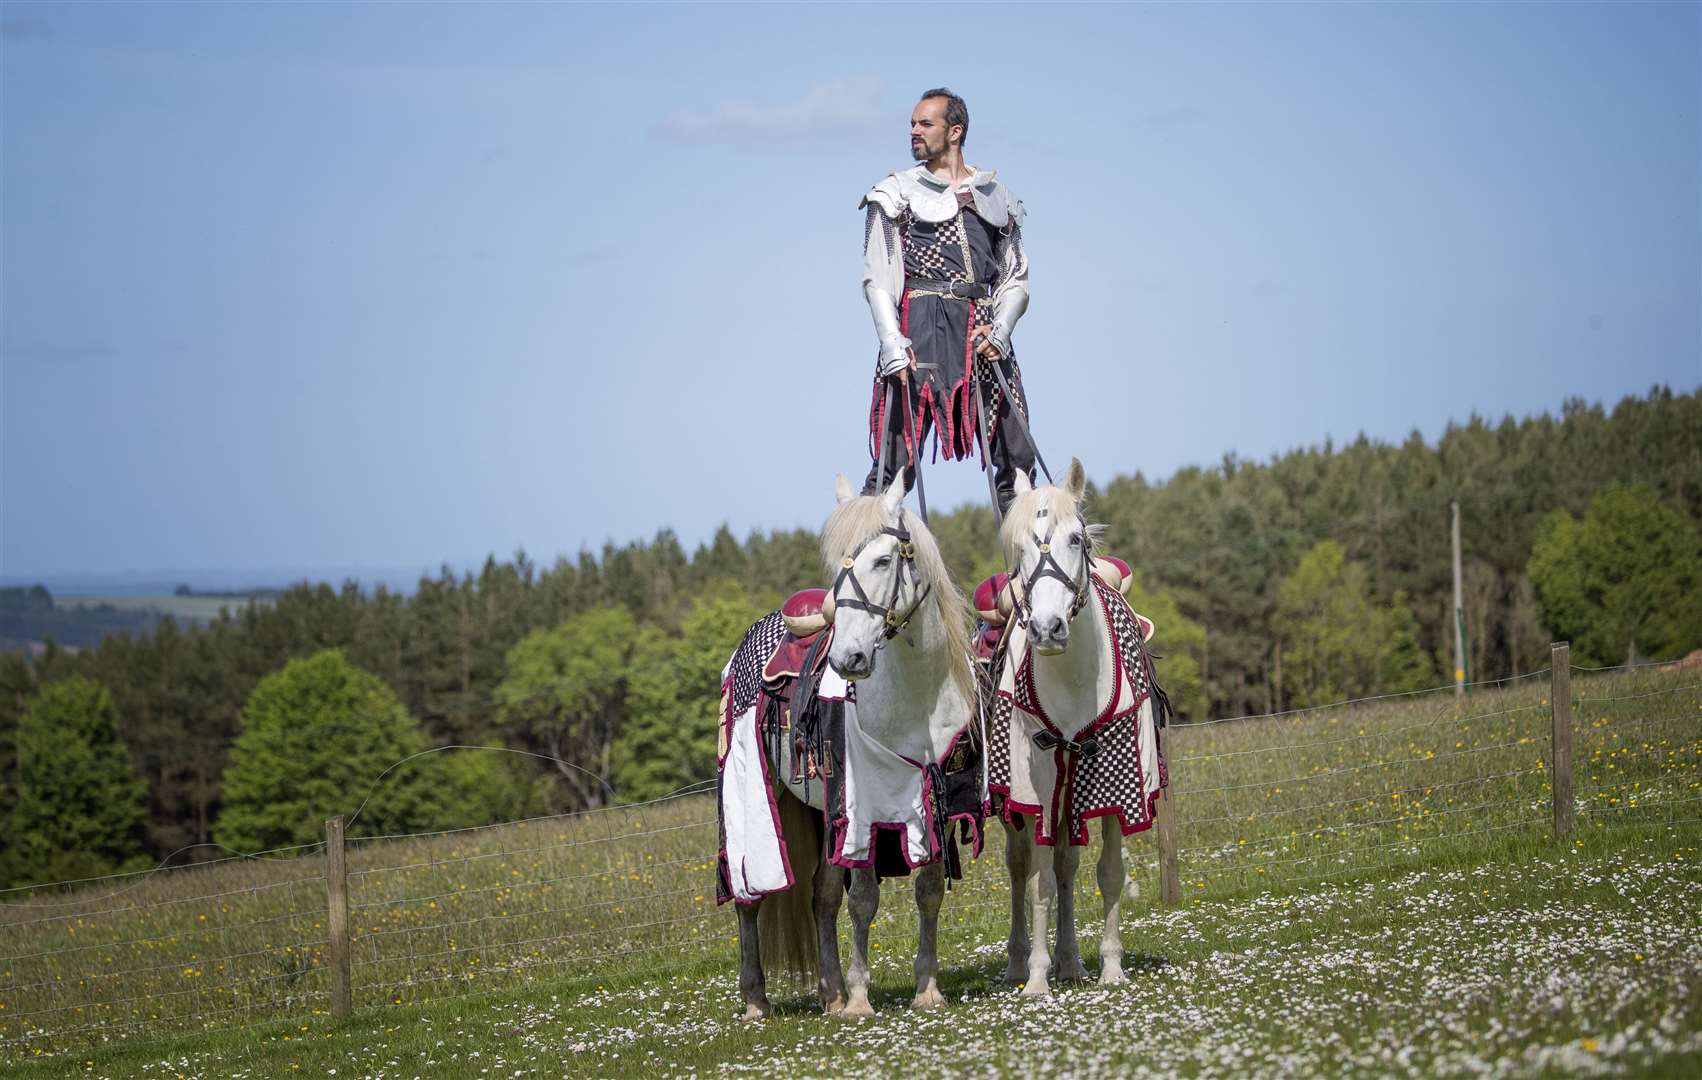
(962, 290)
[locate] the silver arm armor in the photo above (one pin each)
(1010, 295)
(1006, 312)
(895, 347)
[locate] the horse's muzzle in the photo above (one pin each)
(1051, 639)
(859, 665)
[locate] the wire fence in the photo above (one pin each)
(627, 892)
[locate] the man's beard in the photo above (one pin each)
(919, 151)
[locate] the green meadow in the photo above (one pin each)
(1368, 889)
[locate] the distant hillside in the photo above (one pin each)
(31, 617)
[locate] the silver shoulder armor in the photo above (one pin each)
(889, 195)
(916, 190)
(995, 203)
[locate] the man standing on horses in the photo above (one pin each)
(946, 279)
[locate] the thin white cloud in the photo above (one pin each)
(825, 109)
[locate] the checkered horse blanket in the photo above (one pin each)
(1062, 786)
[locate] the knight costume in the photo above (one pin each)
(940, 260)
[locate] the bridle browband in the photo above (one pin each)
(892, 622)
(1048, 566)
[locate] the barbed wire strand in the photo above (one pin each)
(696, 787)
(1381, 764)
(529, 850)
(1366, 735)
(613, 871)
(1288, 713)
(1184, 821)
(318, 880)
(1636, 697)
(317, 913)
(236, 857)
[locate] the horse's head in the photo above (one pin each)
(1048, 547)
(870, 547)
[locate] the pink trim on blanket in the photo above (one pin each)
(930, 799)
(841, 827)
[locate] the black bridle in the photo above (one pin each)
(892, 622)
(1047, 566)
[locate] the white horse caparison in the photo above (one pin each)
(1073, 673)
(914, 693)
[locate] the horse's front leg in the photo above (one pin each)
(752, 987)
(1066, 859)
(1041, 886)
(930, 892)
(1112, 879)
(865, 901)
(1019, 848)
(829, 892)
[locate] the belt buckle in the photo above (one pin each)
(961, 289)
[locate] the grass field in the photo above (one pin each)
(1369, 889)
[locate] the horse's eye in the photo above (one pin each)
(883, 562)
(1075, 541)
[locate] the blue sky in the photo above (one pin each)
(292, 288)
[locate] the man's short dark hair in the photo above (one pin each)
(957, 113)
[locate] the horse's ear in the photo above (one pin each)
(1023, 484)
(892, 500)
(1076, 482)
(842, 488)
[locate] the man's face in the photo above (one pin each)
(928, 129)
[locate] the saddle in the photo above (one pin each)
(789, 679)
(804, 623)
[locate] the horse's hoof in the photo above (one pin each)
(1112, 975)
(857, 1010)
(1036, 988)
(1074, 971)
(834, 1007)
(755, 1011)
(1015, 973)
(930, 998)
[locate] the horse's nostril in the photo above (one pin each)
(858, 661)
(1058, 629)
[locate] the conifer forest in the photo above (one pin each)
(1320, 575)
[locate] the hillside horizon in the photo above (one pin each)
(404, 578)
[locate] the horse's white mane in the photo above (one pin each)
(1019, 519)
(856, 520)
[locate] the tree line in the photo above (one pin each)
(1322, 573)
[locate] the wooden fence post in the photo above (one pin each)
(337, 924)
(1169, 881)
(1560, 707)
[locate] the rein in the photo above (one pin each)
(893, 623)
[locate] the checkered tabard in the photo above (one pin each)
(935, 250)
(751, 657)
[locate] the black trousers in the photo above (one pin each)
(1008, 447)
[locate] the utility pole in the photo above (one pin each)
(1459, 614)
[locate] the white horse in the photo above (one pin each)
(901, 635)
(1086, 680)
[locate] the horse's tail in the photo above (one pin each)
(786, 921)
